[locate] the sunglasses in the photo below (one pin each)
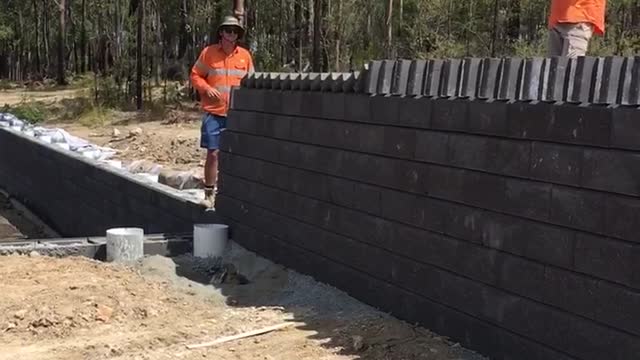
(231, 30)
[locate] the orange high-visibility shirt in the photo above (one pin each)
(576, 11)
(216, 69)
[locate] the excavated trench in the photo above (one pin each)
(18, 223)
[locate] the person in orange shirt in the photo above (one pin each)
(219, 67)
(572, 23)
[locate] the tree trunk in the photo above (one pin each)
(317, 51)
(282, 45)
(159, 53)
(36, 14)
(238, 10)
(467, 33)
(449, 16)
(635, 17)
(139, 54)
(83, 38)
(61, 43)
(299, 32)
(338, 33)
(513, 24)
(250, 20)
(118, 26)
(45, 36)
(494, 31)
(19, 53)
(309, 35)
(184, 35)
(323, 35)
(389, 24)
(73, 50)
(621, 27)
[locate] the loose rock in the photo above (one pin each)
(135, 132)
(358, 343)
(103, 313)
(20, 314)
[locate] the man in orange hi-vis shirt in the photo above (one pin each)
(219, 67)
(571, 25)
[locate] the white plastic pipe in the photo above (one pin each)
(125, 244)
(209, 240)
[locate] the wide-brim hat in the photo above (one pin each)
(232, 21)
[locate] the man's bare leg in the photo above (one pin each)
(210, 174)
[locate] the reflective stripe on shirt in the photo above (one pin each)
(228, 72)
(223, 88)
(202, 67)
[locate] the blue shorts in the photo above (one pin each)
(212, 128)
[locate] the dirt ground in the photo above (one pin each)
(173, 143)
(76, 308)
(15, 96)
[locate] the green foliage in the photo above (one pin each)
(280, 34)
(531, 48)
(6, 84)
(95, 116)
(6, 33)
(28, 110)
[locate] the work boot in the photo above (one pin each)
(209, 196)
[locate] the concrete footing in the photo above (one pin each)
(96, 247)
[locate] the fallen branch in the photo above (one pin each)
(240, 336)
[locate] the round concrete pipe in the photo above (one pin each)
(209, 240)
(125, 244)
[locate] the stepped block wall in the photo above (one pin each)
(495, 201)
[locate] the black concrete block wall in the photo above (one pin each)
(78, 197)
(510, 226)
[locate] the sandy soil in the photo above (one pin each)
(75, 308)
(175, 145)
(15, 96)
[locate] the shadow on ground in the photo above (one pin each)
(338, 322)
